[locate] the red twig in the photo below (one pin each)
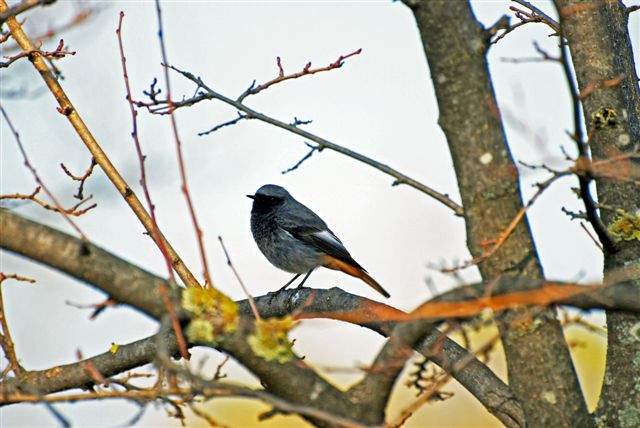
(183, 173)
(141, 157)
(39, 181)
(306, 71)
(143, 182)
(610, 83)
(182, 344)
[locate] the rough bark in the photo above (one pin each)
(541, 373)
(598, 37)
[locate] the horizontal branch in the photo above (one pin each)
(75, 375)
(34, 387)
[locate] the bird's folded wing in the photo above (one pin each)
(323, 239)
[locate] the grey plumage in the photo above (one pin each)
(295, 239)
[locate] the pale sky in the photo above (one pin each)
(380, 103)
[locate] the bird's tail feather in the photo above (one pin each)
(337, 264)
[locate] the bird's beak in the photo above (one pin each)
(251, 196)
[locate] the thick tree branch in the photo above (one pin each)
(133, 286)
(375, 388)
(120, 280)
(75, 375)
(37, 384)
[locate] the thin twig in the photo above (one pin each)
(306, 71)
(304, 158)
(5, 338)
(595, 241)
(141, 157)
(324, 144)
(222, 125)
(175, 324)
(497, 243)
(535, 15)
(552, 23)
(58, 53)
(22, 7)
(74, 210)
(252, 302)
(206, 416)
(41, 184)
(593, 87)
(583, 163)
(81, 179)
(183, 172)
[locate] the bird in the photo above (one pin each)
(295, 239)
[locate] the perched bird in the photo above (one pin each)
(293, 238)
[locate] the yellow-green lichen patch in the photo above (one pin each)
(604, 117)
(214, 314)
(270, 340)
(625, 227)
(200, 330)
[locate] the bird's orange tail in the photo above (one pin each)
(337, 264)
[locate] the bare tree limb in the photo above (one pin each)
(210, 94)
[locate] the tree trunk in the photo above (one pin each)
(600, 47)
(541, 372)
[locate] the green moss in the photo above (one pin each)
(625, 227)
(270, 340)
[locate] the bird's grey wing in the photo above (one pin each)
(306, 226)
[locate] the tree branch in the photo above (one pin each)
(210, 94)
(21, 7)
